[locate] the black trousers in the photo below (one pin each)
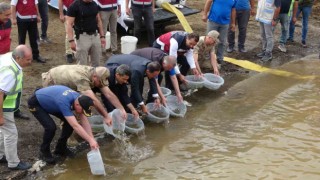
(184, 68)
(49, 126)
(32, 29)
(147, 14)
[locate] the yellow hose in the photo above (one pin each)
(179, 14)
(255, 67)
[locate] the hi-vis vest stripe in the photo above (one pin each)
(142, 2)
(26, 17)
(107, 5)
(12, 100)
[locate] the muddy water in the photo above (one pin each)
(265, 127)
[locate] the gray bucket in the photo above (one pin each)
(96, 123)
(175, 108)
(157, 115)
(134, 126)
(165, 91)
(212, 81)
(194, 82)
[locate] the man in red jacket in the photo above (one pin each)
(109, 11)
(26, 15)
(5, 28)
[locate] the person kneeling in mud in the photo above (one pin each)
(61, 101)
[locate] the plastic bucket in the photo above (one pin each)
(165, 91)
(183, 2)
(128, 44)
(134, 126)
(212, 81)
(176, 108)
(95, 162)
(108, 40)
(96, 123)
(118, 124)
(157, 115)
(194, 82)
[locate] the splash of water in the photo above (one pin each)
(131, 153)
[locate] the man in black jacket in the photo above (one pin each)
(168, 64)
(140, 67)
(118, 80)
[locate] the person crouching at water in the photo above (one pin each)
(61, 101)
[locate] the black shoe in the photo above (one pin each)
(290, 40)
(19, 114)
(69, 58)
(267, 57)
(242, 50)
(261, 54)
(230, 49)
(21, 166)
(303, 43)
(47, 157)
(65, 153)
(40, 60)
(3, 159)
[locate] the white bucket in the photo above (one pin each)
(108, 40)
(183, 2)
(96, 163)
(128, 44)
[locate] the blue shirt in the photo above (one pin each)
(243, 5)
(57, 99)
(220, 11)
(172, 72)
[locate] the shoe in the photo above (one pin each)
(267, 57)
(65, 153)
(221, 62)
(230, 49)
(69, 58)
(38, 42)
(242, 50)
(40, 60)
(290, 40)
(303, 43)
(47, 157)
(21, 115)
(21, 166)
(261, 54)
(3, 159)
(45, 40)
(282, 48)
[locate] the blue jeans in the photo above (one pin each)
(284, 21)
(43, 11)
(306, 11)
(223, 34)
